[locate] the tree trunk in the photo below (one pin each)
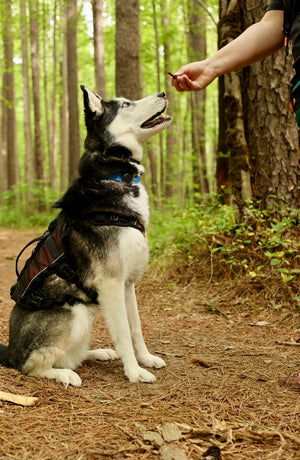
(11, 145)
(74, 136)
(271, 131)
(128, 82)
(97, 6)
(35, 64)
(196, 52)
(29, 158)
(3, 131)
(152, 154)
(161, 165)
(233, 171)
(53, 134)
(50, 100)
(171, 180)
(48, 145)
(64, 112)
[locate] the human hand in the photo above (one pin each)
(193, 77)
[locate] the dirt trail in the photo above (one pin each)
(229, 381)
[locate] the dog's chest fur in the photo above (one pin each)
(125, 260)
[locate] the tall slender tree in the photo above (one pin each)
(172, 139)
(233, 164)
(156, 155)
(64, 107)
(50, 94)
(9, 94)
(196, 52)
(29, 158)
(128, 81)
(52, 127)
(35, 65)
(97, 7)
(3, 124)
(74, 134)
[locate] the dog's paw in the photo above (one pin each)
(152, 361)
(140, 375)
(102, 354)
(67, 377)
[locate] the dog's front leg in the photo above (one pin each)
(143, 355)
(112, 299)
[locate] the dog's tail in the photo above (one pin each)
(4, 361)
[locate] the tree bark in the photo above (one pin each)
(74, 136)
(50, 96)
(233, 166)
(160, 164)
(64, 111)
(197, 52)
(29, 157)
(171, 180)
(270, 127)
(97, 6)
(35, 64)
(3, 140)
(9, 94)
(53, 134)
(128, 82)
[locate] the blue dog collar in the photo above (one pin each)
(124, 177)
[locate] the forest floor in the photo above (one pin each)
(230, 380)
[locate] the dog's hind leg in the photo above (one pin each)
(143, 355)
(112, 299)
(40, 364)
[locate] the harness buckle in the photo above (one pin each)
(66, 272)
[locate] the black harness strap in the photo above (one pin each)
(48, 257)
(118, 220)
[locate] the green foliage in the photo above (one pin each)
(175, 232)
(265, 245)
(14, 206)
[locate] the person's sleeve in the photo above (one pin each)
(275, 5)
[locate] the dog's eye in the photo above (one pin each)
(125, 104)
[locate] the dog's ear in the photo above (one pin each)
(92, 102)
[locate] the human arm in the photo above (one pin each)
(254, 44)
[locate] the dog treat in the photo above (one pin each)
(172, 75)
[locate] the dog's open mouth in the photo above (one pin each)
(157, 119)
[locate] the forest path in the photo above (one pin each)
(229, 381)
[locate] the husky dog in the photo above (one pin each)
(102, 219)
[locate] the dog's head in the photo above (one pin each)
(123, 123)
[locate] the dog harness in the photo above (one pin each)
(48, 258)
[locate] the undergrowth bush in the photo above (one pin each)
(17, 210)
(264, 246)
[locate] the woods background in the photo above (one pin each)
(238, 138)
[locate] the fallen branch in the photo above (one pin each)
(18, 399)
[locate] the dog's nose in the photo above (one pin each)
(162, 94)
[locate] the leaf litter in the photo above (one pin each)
(229, 388)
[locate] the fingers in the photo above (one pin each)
(184, 83)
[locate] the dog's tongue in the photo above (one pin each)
(153, 122)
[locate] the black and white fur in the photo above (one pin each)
(52, 342)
